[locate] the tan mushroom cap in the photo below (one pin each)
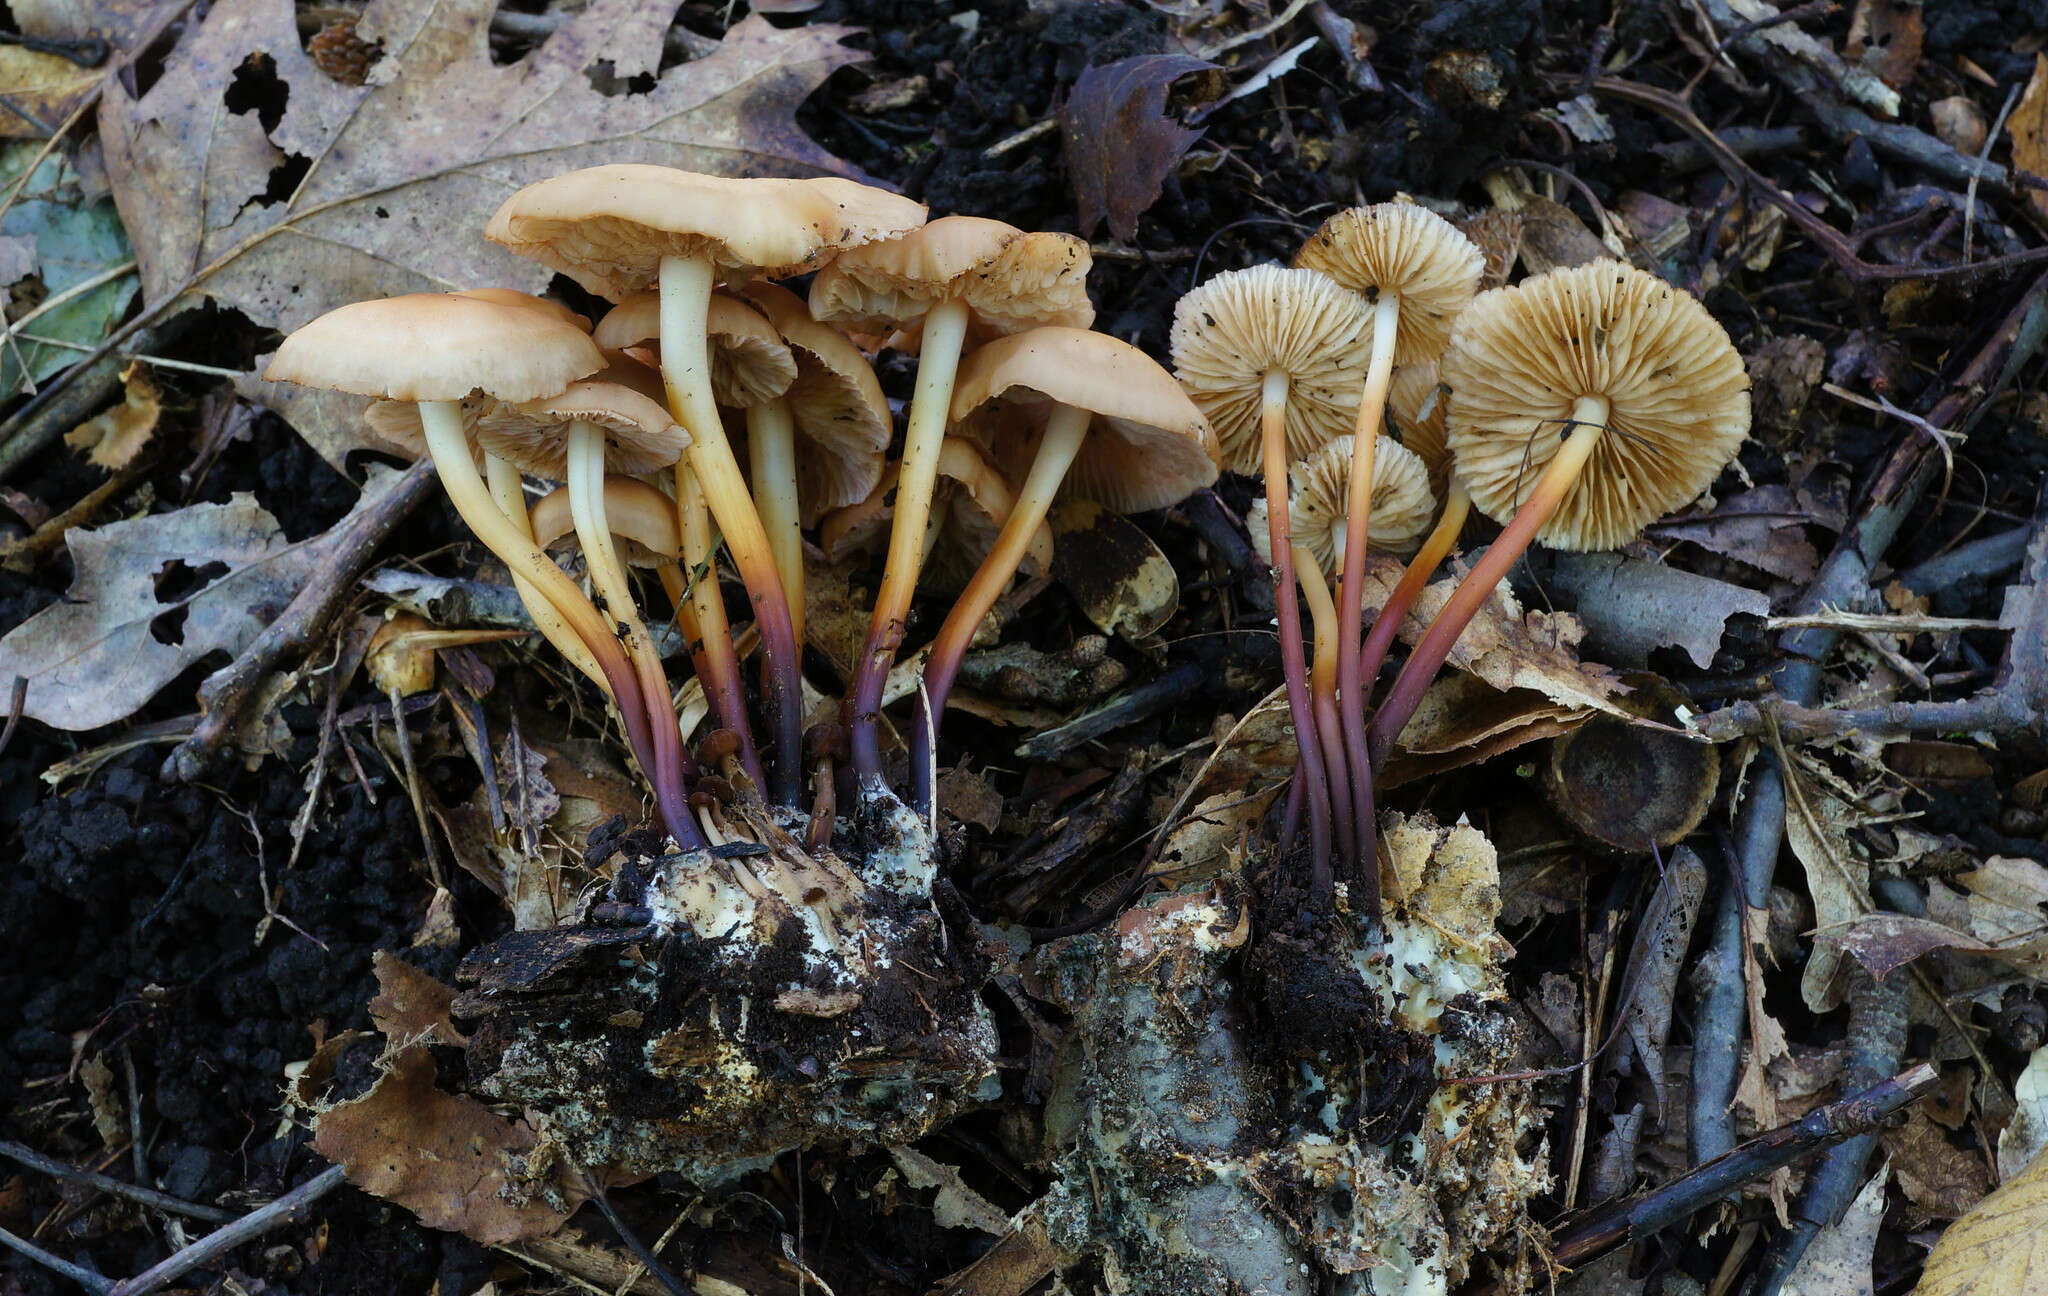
(641, 519)
(1319, 494)
(836, 402)
(1148, 446)
(1421, 409)
(1008, 279)
(1678, 398)
(513, 297)
(970, 503)
(749, 363)
(437, 346)
(624, 401)
(608, 227)
(1404, 249)
(1233, 329)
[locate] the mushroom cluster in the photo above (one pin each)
(713, 411)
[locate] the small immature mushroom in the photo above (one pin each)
(1585, 403)
(437, 350)
(955, 273)
(1402, 507)
(1630, 786)
(1418, 272)
(613, 421)
(627, 227)
(1267, 355)
(1151, 448)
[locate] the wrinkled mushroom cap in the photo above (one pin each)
(1407, 250)
(608, 227)
(837, 405)
(1678, 398)
(624, 401)
(438, 346)
(970, 503)
(1233, 329)
(1147, 446)
(1421, 409)
(749, 363)
(642, 521)
(1009, 280)
(1319, 496)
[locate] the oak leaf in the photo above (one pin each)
(321, 192)
(1120, 143)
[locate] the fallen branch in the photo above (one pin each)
(288, 1209)
(228, 693)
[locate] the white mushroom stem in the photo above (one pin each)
(441, 422)
(1350, 610)
(510, 493)
(717, 658)
(1057, 448)
(771, 446)
(938, 359)
(686, 369)
(1279, 527)
(1588, 423)
(608, 574)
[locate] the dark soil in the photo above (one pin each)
(132, 924)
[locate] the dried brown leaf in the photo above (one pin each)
(1120, 143)
(1937, 1176)
(2028, 129)
(1655, 961)
(112, 438)
(1510, 650)
(956, 1205)
(1630, 606)
(1883, 941)
(410, 1006)
(1122, 581)
(403, 172)
(114, 641)
(1838, 1261)
(447, 1158)
(2000, 1248)
(1886, 36)
(42, 88)
(1817, 826)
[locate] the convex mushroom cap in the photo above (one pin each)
(1008, 280)
(439, 347)
(638, 515)
(749, 363)
(1676, 395)
(1234, 329)
(1148, 445)
(609, 227)
(1402, 506)
(624, 401)
(1406, 250)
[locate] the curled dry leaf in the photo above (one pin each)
(1124, 584)
(956, 1205)
(402, 171)
(1817, 826)
(2020, 1142)
(112, 438)
(1630, 606)
(150, 597)
(1936, 1175)
(1657, 958)
(447, 1158)
(410, 1006)
(1884, 941)
(1120, 143)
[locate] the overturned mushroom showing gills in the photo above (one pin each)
(1267, 354)
(628, 227)
(1153, 449)
(1585, 403)
(957, 273)
(438, 349)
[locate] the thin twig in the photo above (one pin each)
(85, 1278)
(288, 1209)
(150, 1197)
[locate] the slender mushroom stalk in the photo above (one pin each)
(1419, 272)
(1419, 405)
(1153, 449)
(623, 228)
(1457, 507)
(719, 663)
(771, 452)
(1652, 402)
(507, 488)
(1269, 355)
(1322, 680)
(950, 274)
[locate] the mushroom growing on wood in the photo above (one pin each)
(957, 272)
(438, 349)
(624, 228)
(1267, 355)
(1152, 448)
(1585, 403)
